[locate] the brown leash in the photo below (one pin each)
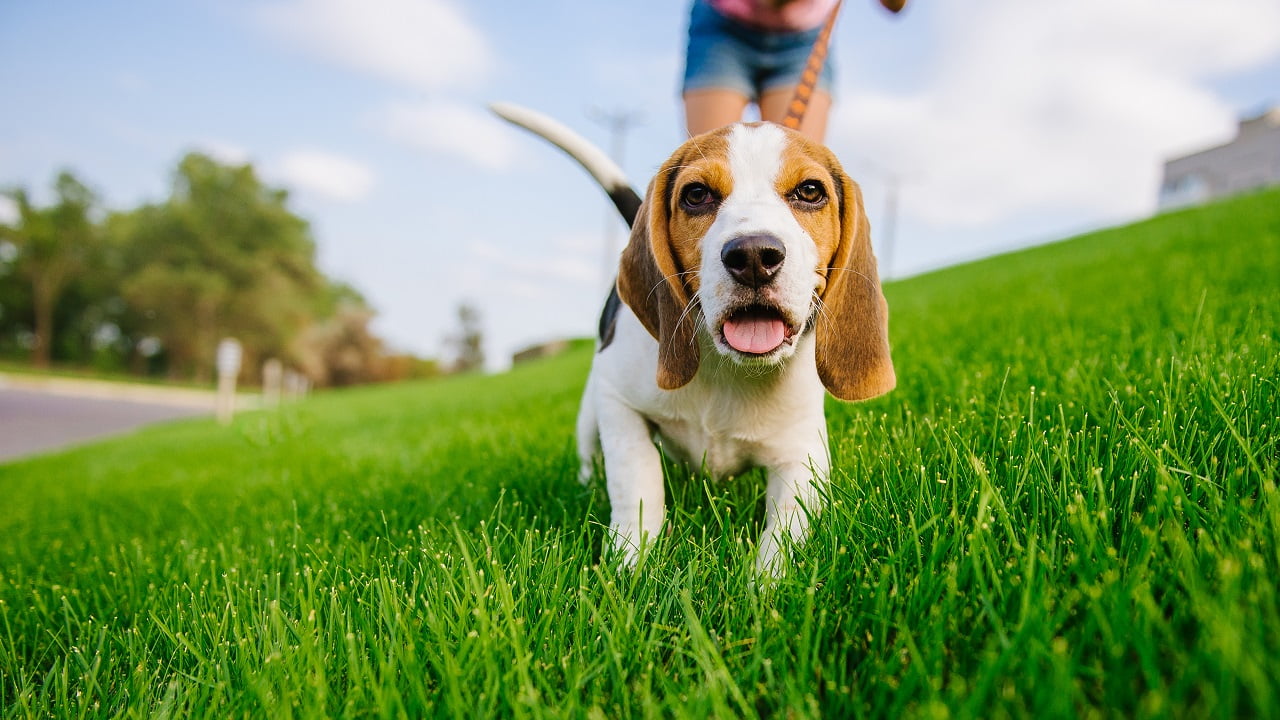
(812, 68)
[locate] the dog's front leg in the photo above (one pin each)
(793, 495)
(633, 474)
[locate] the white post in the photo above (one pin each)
(228, 364)
(272, 375)
(292, 385)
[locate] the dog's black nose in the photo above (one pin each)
(753, 260)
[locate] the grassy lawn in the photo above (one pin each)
(1067, 509)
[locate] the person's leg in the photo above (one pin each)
(717, 78)
(710, 108)
(773, 107)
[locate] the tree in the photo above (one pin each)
(54, 245)
(15, 295)
(223, 256)
(468, 343)
(342, 350)
(153, 289)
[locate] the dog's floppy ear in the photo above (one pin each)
(649, 282)
(853, 327)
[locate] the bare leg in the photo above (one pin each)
(706, 110)
(773, 107)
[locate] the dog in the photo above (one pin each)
(748, 286)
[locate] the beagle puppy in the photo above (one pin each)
(747, 287)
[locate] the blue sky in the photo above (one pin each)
(1004, 122)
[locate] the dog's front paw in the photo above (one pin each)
(773, 559)
(770, 560)
(630, 546)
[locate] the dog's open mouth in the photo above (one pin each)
(757, 330)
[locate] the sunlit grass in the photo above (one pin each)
(1068, 508)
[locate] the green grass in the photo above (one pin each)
(1068, 508)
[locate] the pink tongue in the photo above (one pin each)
(754, 335)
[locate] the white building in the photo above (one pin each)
(1250, 161)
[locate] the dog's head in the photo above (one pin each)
(752, 236)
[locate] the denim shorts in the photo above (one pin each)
(726, 54)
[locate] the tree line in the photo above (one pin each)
(152, 290)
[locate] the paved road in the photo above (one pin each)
(34, 420)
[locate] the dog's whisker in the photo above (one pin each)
(692, 306)
(665, 279)
(819, 307)
(698, 147)
(855, 271)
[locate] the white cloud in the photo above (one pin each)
(551, 268)
(607, 69)
(450, 128)
(1066, 107)
(227, 153)
(131, 83)
(331, 176)
(591, 244)
(424, 44)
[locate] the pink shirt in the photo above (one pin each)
(790, 15)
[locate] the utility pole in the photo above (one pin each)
(618, 123)
(890, 222)
(889, 231)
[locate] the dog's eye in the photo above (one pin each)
(696, 196)
(810, 192)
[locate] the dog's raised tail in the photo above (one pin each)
(591, 158)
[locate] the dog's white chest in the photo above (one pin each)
(716, 450)
(730, 427)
